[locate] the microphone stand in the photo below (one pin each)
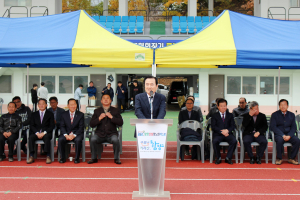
(151, 100)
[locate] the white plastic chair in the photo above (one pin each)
(192, 124)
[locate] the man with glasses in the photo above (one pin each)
(241, 109)
(25, 113)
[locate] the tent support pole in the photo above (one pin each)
(154, 70)
(278, 87)
(27, 84)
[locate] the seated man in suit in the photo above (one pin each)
(10, 125)
(143, 101)
(71, 129)
(188, 134)
(255, 126)
(41, 127)
(283, 125)
(222, 124)
(106, 119)
(57, 112)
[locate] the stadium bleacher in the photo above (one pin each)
(188, 25)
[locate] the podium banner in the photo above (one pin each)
(151, 140)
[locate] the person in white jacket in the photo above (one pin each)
(78, 95)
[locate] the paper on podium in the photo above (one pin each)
(151, 140)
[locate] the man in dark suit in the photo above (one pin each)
(222, 124)
(41, 127)
(57, 111)
(106, 119)
(143, 101)
(187, 134)
(255, 126)
(283, 125)
(71, 129)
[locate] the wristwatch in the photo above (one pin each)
(45, 132)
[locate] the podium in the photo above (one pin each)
(151, 157)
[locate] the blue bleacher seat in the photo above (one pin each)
(140, 18)
(102, 18)
(118, 19)
(110, 18)
(124, 18)
(191, 27)
(198, 19)
(109, 25)
(212, 18)
(205, 24)
(139, 27)
(183, 27)
(132, 19)
(205, 18)
(131, 27)
(190, 19)
(97, 18)
(182, 18)
(124, 26)
(117, 27)
(175, 19)
(102, 23)
(175, 26)
(199, 26)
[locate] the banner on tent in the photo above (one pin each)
(154, 43)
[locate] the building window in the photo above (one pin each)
(33, 79)
(5, 84)
(233, 85)
(81, 80)
(284, 85)
(266, 85)
(8, 3)
(65, 84)
(49, 83)
(249, 85)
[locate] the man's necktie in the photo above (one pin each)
(223, 117)
(150, 102)
(42, 117)
(72, 116)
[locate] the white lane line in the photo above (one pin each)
(167, 179)
(236, 194)
(176, 168)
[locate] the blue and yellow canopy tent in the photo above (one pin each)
(66, 40)
(238, 41)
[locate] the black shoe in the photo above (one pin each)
(117, 161)
(218, 161)
(252, 160)
(76, 161)
(258, 160)
(92, 161)
(10, 159)
(62, 160)
(229, 161)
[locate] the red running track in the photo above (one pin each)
(189, 179)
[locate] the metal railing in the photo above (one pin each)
(7, 11)
(138, 11)
(43, 14)
(10, 13)
(271, 15)
(293, 8)
(205, 11)
(110, 11)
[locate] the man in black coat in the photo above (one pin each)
(106, 119)
(255, 126)
(34, 97)
(71, 129)
(10, 124)
(222, 124)
(283, 125)
(41, 127)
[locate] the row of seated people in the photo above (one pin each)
(254, 125)
(71, 126)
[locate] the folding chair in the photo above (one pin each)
(235, 132)
(37, 142)
(68, 147)
(242, 152)
(192, 124)
(286, 144)
(100, 147)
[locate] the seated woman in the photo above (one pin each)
(188, 134)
